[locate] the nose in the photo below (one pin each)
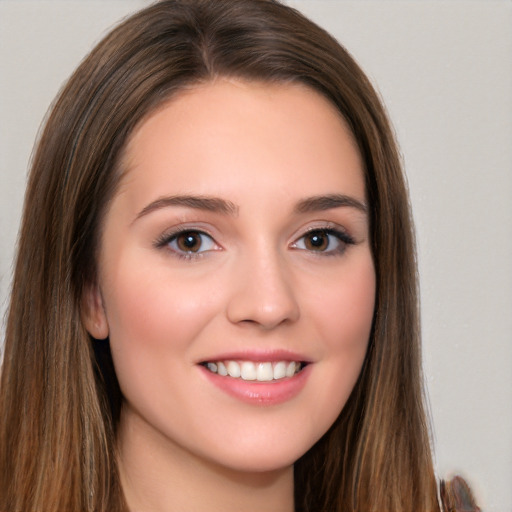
(263, 293)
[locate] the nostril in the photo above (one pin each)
(263, 295)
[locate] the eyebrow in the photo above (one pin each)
(211, 204)
(327, 202)
(217, 205)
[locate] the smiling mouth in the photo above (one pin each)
(259, 371)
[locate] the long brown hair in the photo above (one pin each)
(59, 398)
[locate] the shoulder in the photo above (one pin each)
(456, 496)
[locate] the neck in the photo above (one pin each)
(157, 475)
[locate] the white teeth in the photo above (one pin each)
(233, 369)
(248, 370)
(280, 370)
(265, 372)
(221, 369)
(291, 369)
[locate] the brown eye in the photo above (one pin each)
(316, 241)
(190, 242)
(328, 242)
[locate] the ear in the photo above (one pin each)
(94, 317)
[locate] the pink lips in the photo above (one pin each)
(260, 393)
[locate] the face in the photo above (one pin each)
(236, 281)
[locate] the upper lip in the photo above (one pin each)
(257, 356)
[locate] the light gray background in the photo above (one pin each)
(444, 69)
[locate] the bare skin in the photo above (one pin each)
(238, 238)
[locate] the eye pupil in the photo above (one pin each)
(317, 240)
(189, 242)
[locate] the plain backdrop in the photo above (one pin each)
(444, 70)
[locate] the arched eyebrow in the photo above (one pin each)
(218, 205)
(211, 204)
(329, 201)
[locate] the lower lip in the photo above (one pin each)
(261, 393)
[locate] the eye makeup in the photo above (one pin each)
(324, 241)
(187, 243)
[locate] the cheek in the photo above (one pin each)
(345, 307)
(344, 314)
(154, 318)
(147, 304)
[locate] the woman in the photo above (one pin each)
(157, 134)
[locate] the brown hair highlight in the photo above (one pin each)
(59, 398)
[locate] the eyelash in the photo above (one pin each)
(343, 240)
(167, 239)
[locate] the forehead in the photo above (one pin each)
(231, 134)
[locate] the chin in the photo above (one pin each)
(263, 456)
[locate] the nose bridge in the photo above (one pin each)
(263, 291)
